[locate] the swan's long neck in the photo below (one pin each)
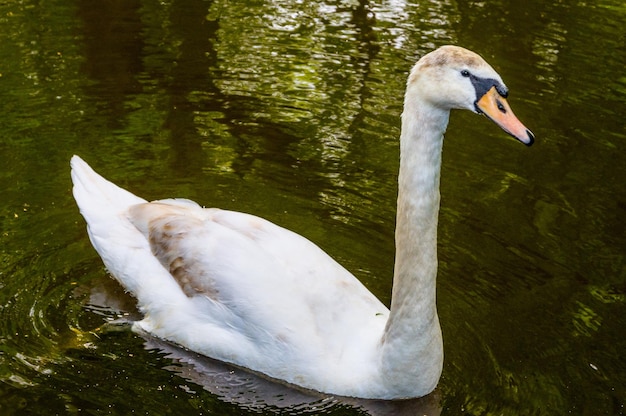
(412, 351)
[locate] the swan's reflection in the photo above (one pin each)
(254, 392)
(244, 388)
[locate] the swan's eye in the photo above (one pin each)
(465, 73)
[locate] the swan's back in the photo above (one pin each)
(231, 285)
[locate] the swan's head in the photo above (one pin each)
(453, 77)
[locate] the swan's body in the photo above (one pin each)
(240, 289)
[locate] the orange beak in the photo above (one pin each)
(495, 106)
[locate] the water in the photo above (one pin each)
(291, 111)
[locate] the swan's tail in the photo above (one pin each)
(95, 195)
(123, 248)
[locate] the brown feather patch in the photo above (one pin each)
(166, 226)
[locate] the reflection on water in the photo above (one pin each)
(225, 382)
(254, 393)
(291, 110)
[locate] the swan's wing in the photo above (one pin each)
(269, 299)
(270, 275)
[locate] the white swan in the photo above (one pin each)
(240, 289)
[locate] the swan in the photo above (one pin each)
(240, 289)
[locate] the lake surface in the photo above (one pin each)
(290, 110)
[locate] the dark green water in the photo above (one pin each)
(290, 110)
